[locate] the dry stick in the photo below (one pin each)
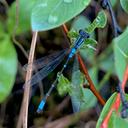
(91, 85)
(5, 3)
(70, 119)
(116, 104)
(24, 109)
(65, 29)
(58, 109)
(28, 77)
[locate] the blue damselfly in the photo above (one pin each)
(56, 60)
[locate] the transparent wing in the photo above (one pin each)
(47, 69)
(42, 62)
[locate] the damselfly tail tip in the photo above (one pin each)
(39, 110)
(41, 106)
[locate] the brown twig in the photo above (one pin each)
(28, 77)
(24, 109)
(70, 119)
(91, 85)
(5, 3)
(65, 29)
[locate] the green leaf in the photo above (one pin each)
(106, 110)
(115, 120)
(124, 4)
(99, 22)
(82, 98)
(89, 43)
(81, 22)
(105, 59)
(24, 17)
(48, 14)
(8, 66)
(63, 85)
(113, 2)
(88, 55)
(121, 53)
(77, 95)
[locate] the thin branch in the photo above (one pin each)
(117, 29)
(70, 119)
(91, 85)
(5, 3)
(65, 29)
(114, 22)
(58, 109)
(24, 109)
(28, 77)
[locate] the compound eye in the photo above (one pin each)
(83, 33)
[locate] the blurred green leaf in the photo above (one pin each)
(124, 4)
(88, 54)
(93, 72)
(90, 98)
(8, 66)
(77, 95)
(113, 2)
(106, 110)
(48, 14)
(106, 59)
(82, 98)
(115, 120)
(24, 16)
(81, 22)
(121, 53)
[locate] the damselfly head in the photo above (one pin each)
(84, 34)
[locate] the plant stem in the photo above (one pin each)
(117, 29)
(24, 108)
(91, 85)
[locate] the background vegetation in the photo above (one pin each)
(42, 27)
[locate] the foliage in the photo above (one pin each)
(124, 4)
(110, 58)
(121, 53)
(8, 64)
(115, 120)
(48, 14)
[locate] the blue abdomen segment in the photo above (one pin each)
(41, 105)
(73, 51)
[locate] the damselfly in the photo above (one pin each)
(49, 67)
